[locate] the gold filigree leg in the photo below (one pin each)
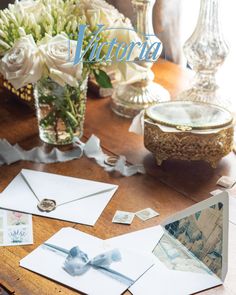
(159, 161)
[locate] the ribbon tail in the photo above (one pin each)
(60, 249)
(115, 275)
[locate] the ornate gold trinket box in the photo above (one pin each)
(187, 130)
(25, 94)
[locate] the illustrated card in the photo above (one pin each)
(201, 236)
(15, 228)
(194, 243)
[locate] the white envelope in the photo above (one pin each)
(167, 278)
(18, 197)
(49, 262)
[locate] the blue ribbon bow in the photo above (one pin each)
(77, 263)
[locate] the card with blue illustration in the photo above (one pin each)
(15, 228)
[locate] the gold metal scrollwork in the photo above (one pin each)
(210, 147)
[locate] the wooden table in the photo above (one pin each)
(169, 188)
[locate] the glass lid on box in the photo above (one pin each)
(196, 115)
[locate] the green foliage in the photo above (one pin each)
(60, 106)
(102, 79)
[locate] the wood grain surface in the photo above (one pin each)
(169, 188)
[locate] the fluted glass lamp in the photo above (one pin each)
(206, 51)
(128, 100)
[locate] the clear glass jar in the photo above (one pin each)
(60, 110)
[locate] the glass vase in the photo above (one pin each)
(60, 110)
(206, 51)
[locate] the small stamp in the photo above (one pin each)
(146, 214)
(16, 218)
(18, 235)
(123, 217)
(226, 181)
(216, 192)
(15, 228)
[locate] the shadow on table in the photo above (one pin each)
(194, 179)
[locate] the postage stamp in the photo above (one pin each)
(16, 218)
(15, 228)
(146, 214)
(123, 217)
(18, 235)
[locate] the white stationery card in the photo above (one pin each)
(15, 228)
(69, 193)
(190, 250)
(50, 262)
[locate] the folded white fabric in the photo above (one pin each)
(137, 125)
(13, 153)
(91, 149)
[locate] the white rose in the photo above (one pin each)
(131, 72)
(22, 64)
(125, 33)
(100, 12)
(59, 58)
(127, 72)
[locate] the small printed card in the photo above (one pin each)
(146, 214)
(123, 217)
(15, 228)
(226, 181)
(216, 192)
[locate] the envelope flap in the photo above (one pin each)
(203, 230)
(61, 188)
